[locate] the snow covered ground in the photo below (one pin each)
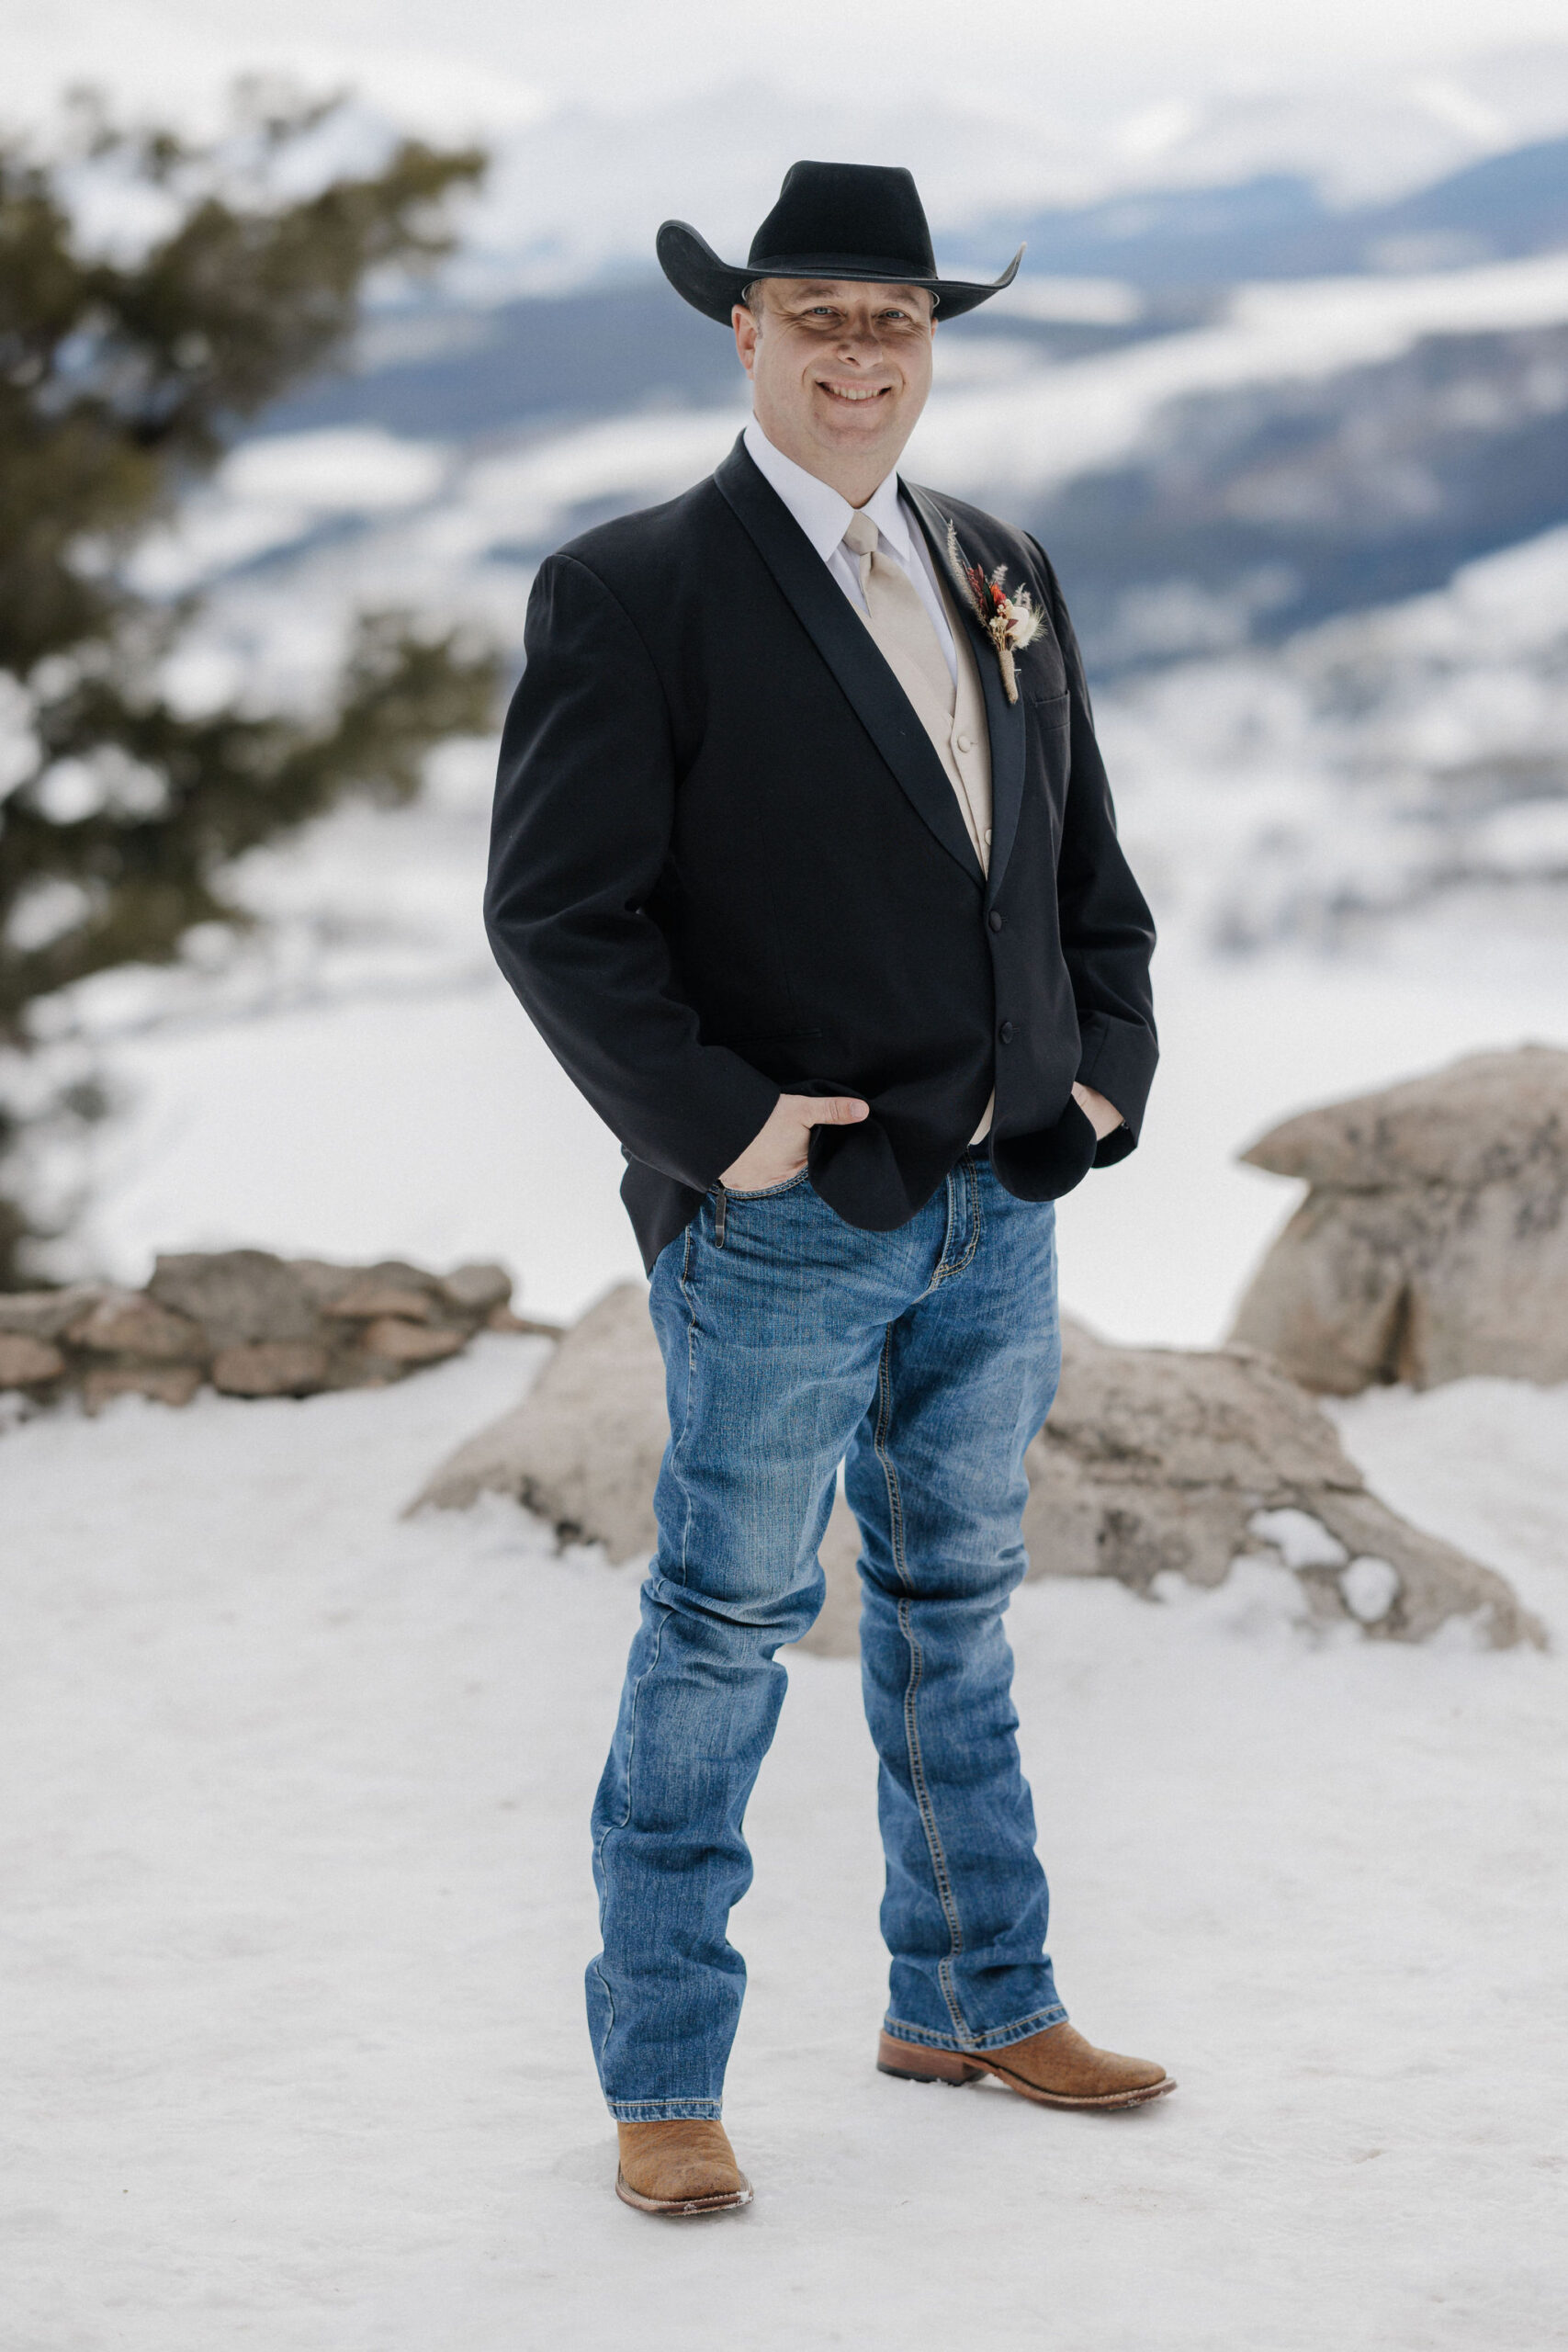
(298, 1901)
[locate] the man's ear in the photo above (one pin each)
(746, 330)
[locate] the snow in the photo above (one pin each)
(1094, 413)
(1357, 770)
(275, 491)
(298, 1902)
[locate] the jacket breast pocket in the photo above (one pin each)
(1050, 719)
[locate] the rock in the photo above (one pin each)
(584, 1447)
(390, 1340)
(1433, 1243)
(128, 1323)
(172, 1383)
(366, 1300)
(325, 1279)
(27, 1362)
(268, 1325)
(502, 1319)
(583, 1450)
(836, 1632)
(477, 1289)
(271, 1368)
(1153, 1461)
(45, 1314)
(237, 1295)
(326, 1283)
(1162, 1460)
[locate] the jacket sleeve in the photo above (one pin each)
(585, 809)
(1108, 932)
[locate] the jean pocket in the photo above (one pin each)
(767, 1191)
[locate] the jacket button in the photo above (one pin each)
(1005, 1033)
(966, 742)
(994, 919)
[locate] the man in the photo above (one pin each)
(804, 865)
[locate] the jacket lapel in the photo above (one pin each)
(1004, 721)
(848, 649)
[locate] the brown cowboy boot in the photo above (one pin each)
(1057, 2067)
(680, 2167)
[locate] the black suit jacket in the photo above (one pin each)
(726, 861)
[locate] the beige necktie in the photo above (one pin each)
(904, 633)
(900, 622)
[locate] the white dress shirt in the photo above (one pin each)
(822, 515)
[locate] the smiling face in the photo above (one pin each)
(839, 373)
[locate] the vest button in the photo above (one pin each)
(1005, 1033)
(966, 742)
(994, 919)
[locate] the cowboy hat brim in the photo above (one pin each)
(714, 287)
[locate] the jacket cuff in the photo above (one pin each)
(1117, 1059)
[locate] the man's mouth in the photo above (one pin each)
(855, 391)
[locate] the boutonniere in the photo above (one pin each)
(1011, 622)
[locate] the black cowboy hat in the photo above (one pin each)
(857, 221)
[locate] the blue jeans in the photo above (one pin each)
(924, 1360)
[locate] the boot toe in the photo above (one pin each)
(679, 2168)
(1060, 2069)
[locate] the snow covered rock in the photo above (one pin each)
(1434, 1242)
(1154, 1462)
(584, 1447)
(1159, 1461)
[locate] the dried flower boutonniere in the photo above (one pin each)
(1011, 622)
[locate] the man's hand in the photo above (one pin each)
(1103, 1115)
(777, 1150)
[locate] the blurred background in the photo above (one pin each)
(320, 326)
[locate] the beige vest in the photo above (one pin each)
(963, 744)
(960, 738)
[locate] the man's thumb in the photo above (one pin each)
(836, 1110)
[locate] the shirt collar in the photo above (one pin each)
(819, 508)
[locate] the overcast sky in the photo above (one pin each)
(492, 61)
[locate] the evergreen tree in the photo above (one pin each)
(122, 381)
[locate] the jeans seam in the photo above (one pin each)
(677, 1443)
(940, 1872)
(661, 2111)
(890, 1475)
(942, 1265)
(610, 1826)
(911, 1727)
(960, 1265)
(998, 2037)
(972, 1174)
(944, 1271)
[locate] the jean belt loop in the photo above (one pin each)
(718, 1218)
